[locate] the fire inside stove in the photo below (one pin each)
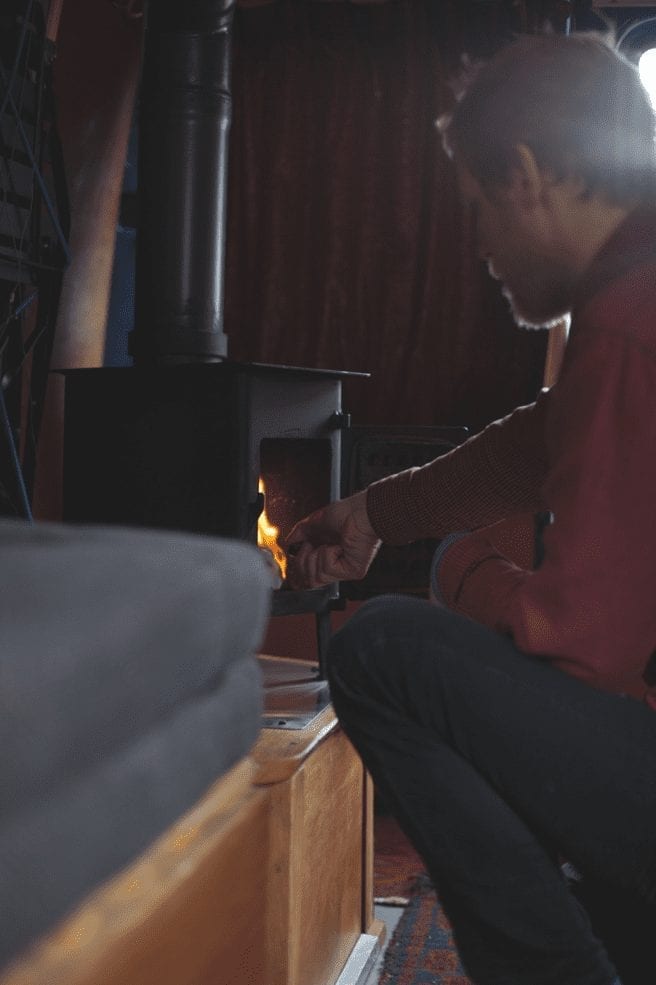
(295, 480)
(268, 535)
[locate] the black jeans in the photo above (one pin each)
(497, 766)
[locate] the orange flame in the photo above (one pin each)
(267, 535)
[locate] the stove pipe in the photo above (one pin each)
(184, 121)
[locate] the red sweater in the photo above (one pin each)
(584, 451)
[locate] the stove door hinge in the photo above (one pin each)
(339, 421)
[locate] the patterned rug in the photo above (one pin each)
(421, 950)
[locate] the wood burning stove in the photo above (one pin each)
(184, 439)
(189, 448)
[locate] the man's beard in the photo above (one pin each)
(544, 300)
(534, 318)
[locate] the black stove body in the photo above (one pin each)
(187, 447)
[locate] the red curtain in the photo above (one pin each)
(347, 246)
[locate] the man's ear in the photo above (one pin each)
(527, 183)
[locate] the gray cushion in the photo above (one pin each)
(103, 632)
(60, 848)
(128, 684)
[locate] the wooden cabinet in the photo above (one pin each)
(318, 884)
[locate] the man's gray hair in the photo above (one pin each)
(575, 101)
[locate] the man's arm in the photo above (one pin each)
(496, 473)
(589, 607)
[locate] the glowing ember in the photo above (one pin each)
(267, 535)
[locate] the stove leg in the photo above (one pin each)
(324, 632)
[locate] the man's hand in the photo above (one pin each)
(335, 543)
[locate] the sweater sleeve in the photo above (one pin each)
(589, 608)
(496, 473)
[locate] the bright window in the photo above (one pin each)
(647, 69)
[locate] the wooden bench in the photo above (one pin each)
(266, 881)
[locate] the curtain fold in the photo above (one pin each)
(347, 245)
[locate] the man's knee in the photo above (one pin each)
(354, 647)
(399, 644)
(369, 624)
(380, 635)
(388, 617)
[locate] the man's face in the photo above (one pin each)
(515, 239)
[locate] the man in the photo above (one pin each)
(508, 726)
